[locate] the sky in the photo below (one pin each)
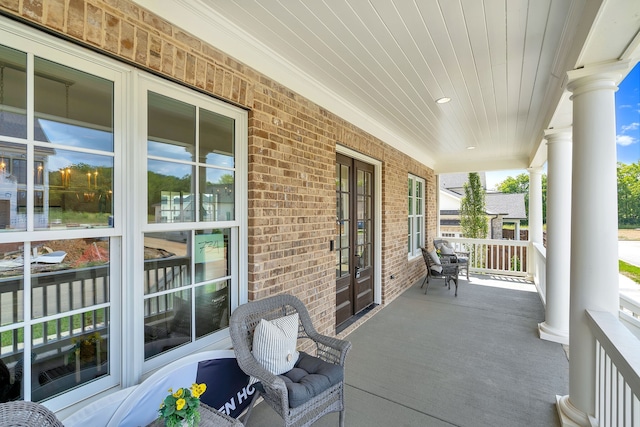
(627, 127)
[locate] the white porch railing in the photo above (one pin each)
(539, 267)
(617, 371)
(508, 257)
(630, 314)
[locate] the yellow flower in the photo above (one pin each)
(178, 393)
(198, 389)
(180, 404)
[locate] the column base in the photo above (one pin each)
(549, 333)
(570, 416)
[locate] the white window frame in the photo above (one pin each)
(415, 219)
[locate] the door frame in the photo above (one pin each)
(377, 219)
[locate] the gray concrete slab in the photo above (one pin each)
(438, 360)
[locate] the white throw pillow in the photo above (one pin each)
(434, 257)
(436, 260)
(446, 250)
(274, 344)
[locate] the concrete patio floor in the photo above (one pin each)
(437, 360)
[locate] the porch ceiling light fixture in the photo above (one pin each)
(471, 147)
(443, 100)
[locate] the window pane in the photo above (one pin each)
(167, 322)
(170, 196)
(212, 308)
(167, 262)
(13, 93)
(216, 139)
(344, 262)
(13, 193)
(11, 283)
(211, 254)
(12, 357)
(72, 107)
(77, 191)
(344, 178)
(217, 195)
(68, 275)
(171, 128)
(69, 351)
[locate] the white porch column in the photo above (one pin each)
(594, 228)
(535, 205)
(556, 324)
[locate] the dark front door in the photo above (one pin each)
(354, 248)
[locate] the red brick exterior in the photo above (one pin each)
(291, 149)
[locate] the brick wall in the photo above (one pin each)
(292, 148)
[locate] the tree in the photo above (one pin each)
(629, 194)
(520, 184)
(473, 216)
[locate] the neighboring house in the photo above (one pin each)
(501, 208)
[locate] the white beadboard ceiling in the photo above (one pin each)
(381, 64)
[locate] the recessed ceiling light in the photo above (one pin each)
(471, 147)
(443, 100)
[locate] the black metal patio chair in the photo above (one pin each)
(447, 269)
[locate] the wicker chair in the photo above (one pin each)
(273, 388)
(20, 413)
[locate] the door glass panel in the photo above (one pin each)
(13, 93)
(344, 178)
(344, 262)
(171, 128)
(216, 139)
(344, 207)
(72, 107)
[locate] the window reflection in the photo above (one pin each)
(169, 312)
(72, 107)
(171, 128)
(217, 197)
(170, 196)
(216, 139)
(68, 352)
(13, 102)
(11, 365)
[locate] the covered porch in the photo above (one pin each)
(438, 360)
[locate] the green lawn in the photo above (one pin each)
(630, 271)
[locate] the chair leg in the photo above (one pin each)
(342, 418)
(251, 405)
(424, 280)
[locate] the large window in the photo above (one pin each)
(415, 221)
(57, 156)
(190, 230)
(121, 224)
